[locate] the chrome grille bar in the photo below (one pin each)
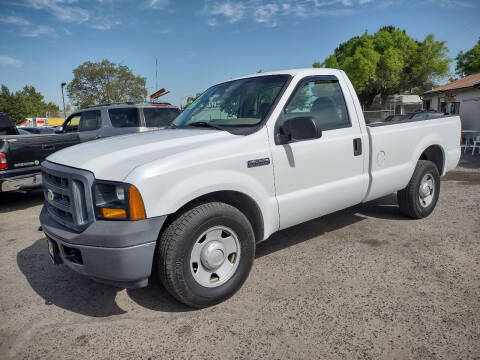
(68, 195)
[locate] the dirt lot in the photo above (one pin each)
(362, 283)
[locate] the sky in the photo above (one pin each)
(200, 43)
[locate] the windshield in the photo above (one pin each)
(243, 102)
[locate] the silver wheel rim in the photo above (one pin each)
(215, 256)
(427, 190)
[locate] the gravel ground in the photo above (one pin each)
(365, 282)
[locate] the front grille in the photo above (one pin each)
(68, 195)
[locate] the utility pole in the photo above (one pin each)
(63, 98)
(156, 74)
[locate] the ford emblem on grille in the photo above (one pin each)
(50, 195)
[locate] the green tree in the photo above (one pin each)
(191, 99)
(389, 62)
(24, 103)
(105, 82)
(468, 62)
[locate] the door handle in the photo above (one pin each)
(48, 147)
(357, 147)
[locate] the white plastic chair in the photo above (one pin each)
(476, 143)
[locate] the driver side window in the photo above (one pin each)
(322, 100)
(71, 125)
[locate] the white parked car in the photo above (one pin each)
(249, 157)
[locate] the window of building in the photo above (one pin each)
(442, 105)
(454, 108)
(427, 104)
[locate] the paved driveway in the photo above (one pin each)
(361, 283)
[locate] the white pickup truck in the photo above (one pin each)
(249, 157)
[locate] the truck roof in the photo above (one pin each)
(293, 72)
(131, 104)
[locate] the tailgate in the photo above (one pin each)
(31, 150)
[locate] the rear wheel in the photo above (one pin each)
(206, 254)
(420, 196)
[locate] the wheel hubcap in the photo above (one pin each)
(215, 256)
(427, 190)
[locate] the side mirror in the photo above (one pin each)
(59, 130)
(298, 129)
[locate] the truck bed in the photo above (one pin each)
(391, 169)
(24, 153)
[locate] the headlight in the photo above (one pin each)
(118, 201)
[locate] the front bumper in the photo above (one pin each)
(118, 253)
(21, 182)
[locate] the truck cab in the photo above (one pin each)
(249, 157)
(7, 127)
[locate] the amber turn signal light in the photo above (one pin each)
(137, 209)
(109, 213)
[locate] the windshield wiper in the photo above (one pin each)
(206, 125)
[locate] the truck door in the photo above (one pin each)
(90, 125)
(319, 176)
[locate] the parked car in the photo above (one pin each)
(417, 115)
(21, 155)
(23, 132)
(249, 157)
(395, 118)
(39, 130)
(422, 115)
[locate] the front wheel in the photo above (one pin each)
(420, 196)
(206, 254)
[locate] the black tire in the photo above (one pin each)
(409, 198)
(176, 244)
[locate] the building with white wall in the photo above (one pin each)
(458, 97)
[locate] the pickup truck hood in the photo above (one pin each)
(114, 158)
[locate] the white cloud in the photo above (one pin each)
(233, 12)
(9, 61)
(157, 4)
(61, 9)
(70, 11)
(165, 31)
(268, 12)
(212, 22)
(14, 20)
(39, 30)
(451, 3)
(104, 23)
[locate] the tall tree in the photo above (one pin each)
(389, 62)
(191, 99)
(105, 82)
(468, 62)
(24, 103)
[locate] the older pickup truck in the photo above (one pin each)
(20, 156)
(249, 157)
